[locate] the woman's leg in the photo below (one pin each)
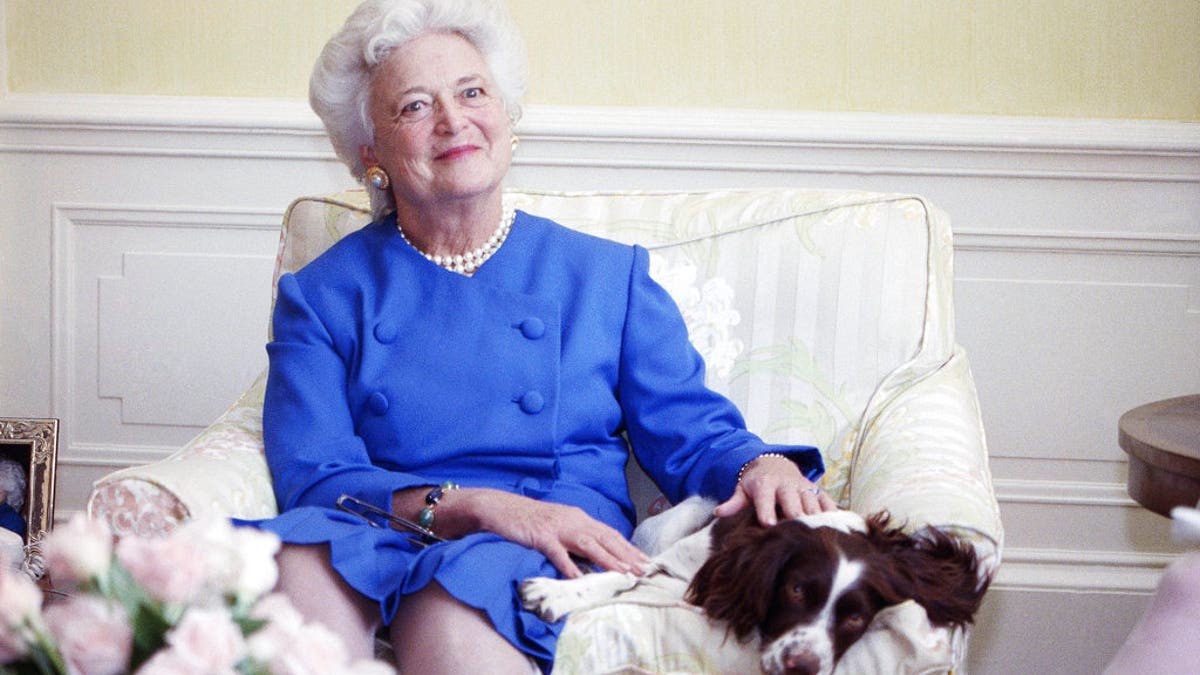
(435, 634)
(307, 578)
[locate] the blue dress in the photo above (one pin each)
(388, 372)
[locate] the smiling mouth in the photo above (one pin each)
(456, 152)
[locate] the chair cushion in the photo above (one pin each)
(650, 635)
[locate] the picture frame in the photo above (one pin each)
(33, 444)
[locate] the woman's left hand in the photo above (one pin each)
(774, 486)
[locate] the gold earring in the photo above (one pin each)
(516, 140)
(378, 178)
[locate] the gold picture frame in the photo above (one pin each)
(33, 444)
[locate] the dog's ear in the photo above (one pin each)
(939, 571)
(737, 583)
(953, 589)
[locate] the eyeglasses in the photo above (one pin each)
(377, 517)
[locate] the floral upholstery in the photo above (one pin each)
(827, 316)
(221, 471)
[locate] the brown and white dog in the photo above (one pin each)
(809, 587)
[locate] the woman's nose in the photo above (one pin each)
(450, 115)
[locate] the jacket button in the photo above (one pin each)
(532, 402)
(386, 332)
(378, 403)
(533, 328)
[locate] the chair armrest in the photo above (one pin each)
(923, 457)
(222, 472)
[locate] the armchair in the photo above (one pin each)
(827, 316)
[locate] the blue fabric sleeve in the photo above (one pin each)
(312, 449)
(688, 438)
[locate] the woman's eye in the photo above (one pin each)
(473, 96)
(415, 108)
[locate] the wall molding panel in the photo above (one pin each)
(142, 300)
(1058, 513)
(141, 231)
(166, 215)
(152, 126)
(1063, 493)
(1103, 243)
(663, 139)
(1074, 571)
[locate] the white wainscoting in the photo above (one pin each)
(139, 234)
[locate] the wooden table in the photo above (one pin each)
(1162, 440)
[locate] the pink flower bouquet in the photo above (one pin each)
(195, 602)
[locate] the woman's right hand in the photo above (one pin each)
(556, 530)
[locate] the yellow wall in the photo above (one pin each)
(1061, 58)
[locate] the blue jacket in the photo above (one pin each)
(388, 372)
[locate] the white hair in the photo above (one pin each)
(339, 89)
(12, 481)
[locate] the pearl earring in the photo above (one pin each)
(378, 178)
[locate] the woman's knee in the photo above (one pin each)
(465, 634)
(296, 559)
(307, 577)
(308, 567)
(434, 609)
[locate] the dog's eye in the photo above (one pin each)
(853, 623)
(796, 594)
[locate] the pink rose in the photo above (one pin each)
(304, 649)
(170, 569)
(257, 571)
(20, 604)
(277, 609)
(168, 662)
(369, 668)
(241, 560)
(208, 639)
(78, 551)
(283, 622)
(94, 636)
(270, 644)
(20, 599)
(12, 646)
(287, 645)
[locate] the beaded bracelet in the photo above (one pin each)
(425, 517)
(765, 454)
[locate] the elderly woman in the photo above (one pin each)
(481, 371)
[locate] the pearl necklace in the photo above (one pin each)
(467, 263)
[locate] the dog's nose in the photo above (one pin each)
(801, 662)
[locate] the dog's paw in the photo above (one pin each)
(553, 599)
(550, 599)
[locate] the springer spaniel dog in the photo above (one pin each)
(809, 587)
